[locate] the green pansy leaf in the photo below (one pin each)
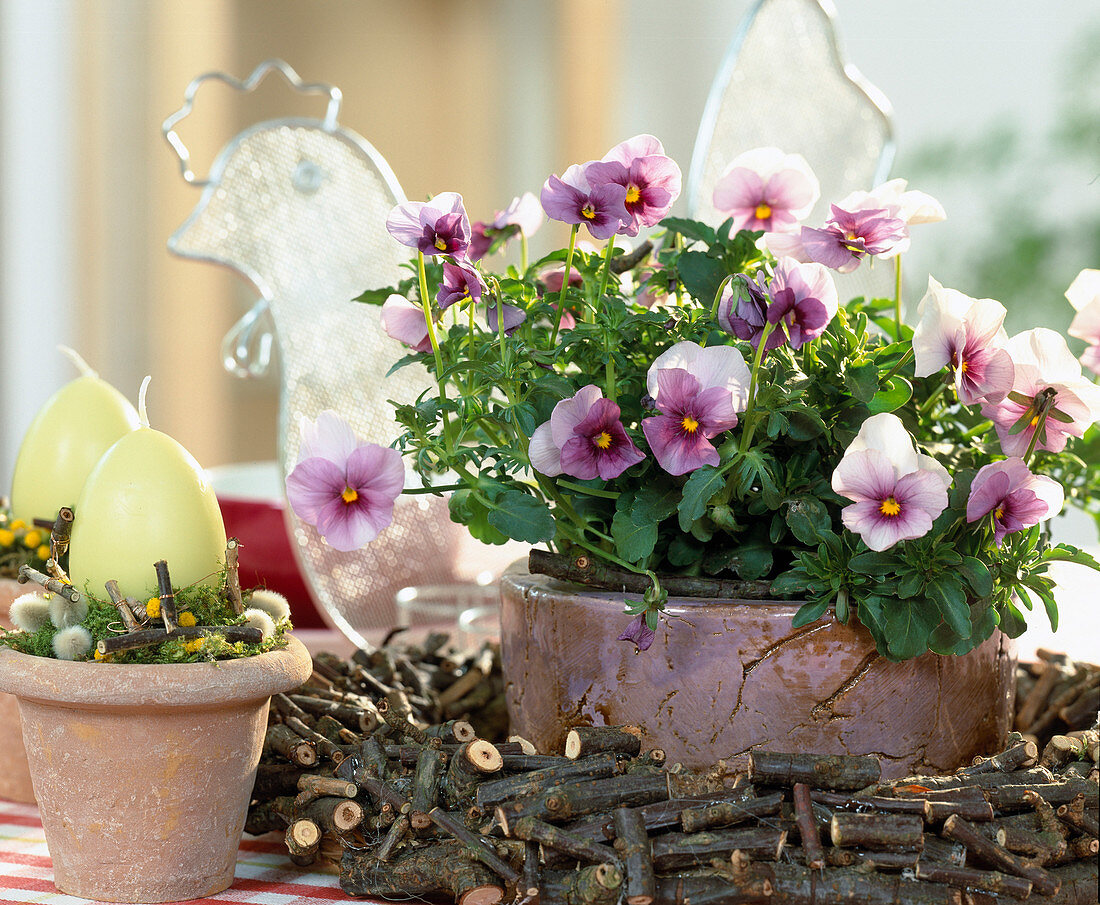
(946, 592)
(692, 230)
(655, 501)
(522, 517)
(466, 509)
(862, 381)
(809, 612)
(872, 563)
(891, 397)
(808, 518)
(704, 483)
(375, 296)
(791, 584)
(976, 574)
(908, 625)
(701, 275)
(633, 541)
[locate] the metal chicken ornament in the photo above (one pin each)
(298, 207)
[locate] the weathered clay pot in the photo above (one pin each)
(732, 675)
(143, 772)
(15, 776)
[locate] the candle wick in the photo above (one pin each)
(143, 415)
(81, 365)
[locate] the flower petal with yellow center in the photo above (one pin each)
(633, 193)
(588, 212)
(890, 507)
(350, 495)
(763, 211)
(603, 440)
(689, 424)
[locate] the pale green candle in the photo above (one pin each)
(66, 439)
(146, 500)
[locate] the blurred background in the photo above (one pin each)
(996, 113)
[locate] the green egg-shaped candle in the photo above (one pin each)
(66, 439)
(146, 500)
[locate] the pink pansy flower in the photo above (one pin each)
(651, 179)
(573, 199)
(435, 227)
(513, 317)
(849, 236)
(911, 207)
(897, 494)
(1046, 378)
(698, 392)
(523, 215)
(766, 189)
(1084, 295)
(344, 488)
(404, 321)
(460, 282)
(1017, 498)
(965, 335)
(584, 438)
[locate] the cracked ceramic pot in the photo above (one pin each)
(15, 775)
(733, 675)
(143, 773)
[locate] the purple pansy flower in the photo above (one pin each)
(651, 179)
(404, 321)
(1017, 498)
(897, 492)
(698, 392)
(1084, 295)
(911, 207)
(584, 438)
(461, 281)
(766, 189)
(344, 488)
(1045, 373)
(746, 320)
(435, 227)
(513, 317)
(572, 199)
(848, 236)
(966, 335)
(639, 632)
(803, 301)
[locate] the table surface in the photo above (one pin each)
(264, 874)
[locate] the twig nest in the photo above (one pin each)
(29, 612)
(271, 602)
(65, 613)
(260, 619)
(72, 642)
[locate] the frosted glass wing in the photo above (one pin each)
(785, 84)
(300, 210)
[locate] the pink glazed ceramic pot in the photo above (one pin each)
(143, 773)
(15, 775)
(732, 675)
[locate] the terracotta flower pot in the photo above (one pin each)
(733, 675)
(15, 775)
(143, 773)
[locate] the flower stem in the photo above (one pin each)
(588, 491)
(930, 402)
(718, 297)
(607, 255)
(750, 422)
(564, 283)
(1039, 425)
(426, 304)
(523, 252)
(902, 362)
(897, 296)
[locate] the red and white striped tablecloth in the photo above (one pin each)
(264, 873)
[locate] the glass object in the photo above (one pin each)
(440, 607)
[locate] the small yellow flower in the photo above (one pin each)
(32, 539)
(17, 525)
(187, 619)
(192, 646)
(7, 538)
(43, 552)
(152, 608)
